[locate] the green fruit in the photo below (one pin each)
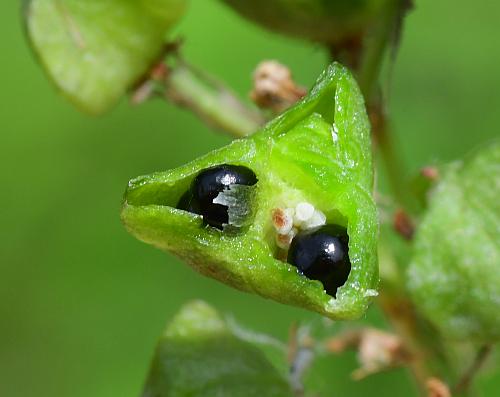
(316, 152)
(328, 21)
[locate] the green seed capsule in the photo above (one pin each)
(313, 166)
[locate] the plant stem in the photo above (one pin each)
(393, 164)
(467, 378)
(211, 100)
(375, 47)
(417, 336)
(429, 355)
(365, 56)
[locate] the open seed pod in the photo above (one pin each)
(318, 152)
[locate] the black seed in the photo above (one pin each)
(322, 254)
(206, 187)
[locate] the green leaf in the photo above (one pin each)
(327, 21)
(198, 356)
(94, 50)
(318, 152)
(455, 272)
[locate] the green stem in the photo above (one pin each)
(375, 45)
(393, 164)
(430, 356)
(213, 102)
(365, 55)
(465, 381)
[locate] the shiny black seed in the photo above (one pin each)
(322, 254)
(206, 187)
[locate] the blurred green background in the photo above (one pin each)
(81, 301)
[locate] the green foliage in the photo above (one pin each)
(94, 50)
(65, 172)
(198, 356)
(319, 152)
(454, 275)
(328, 21)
